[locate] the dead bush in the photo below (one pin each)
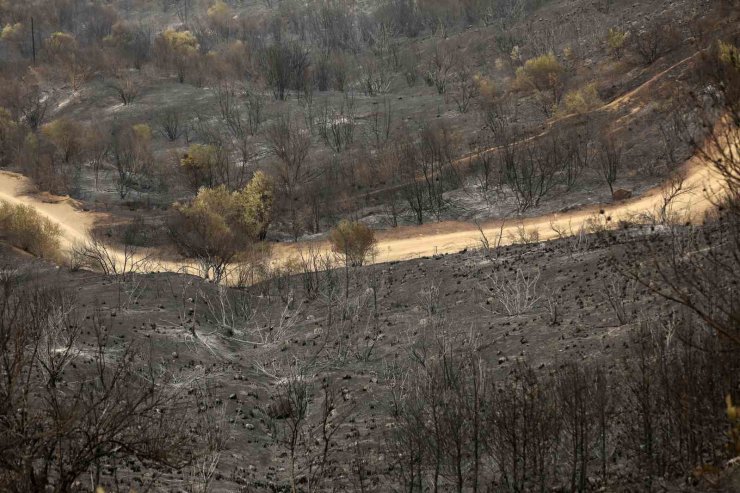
(512, 293)
(63, 420)
(654, 41)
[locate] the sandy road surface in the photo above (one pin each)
(701, 185)
(74, 223)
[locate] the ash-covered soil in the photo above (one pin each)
(242, 345)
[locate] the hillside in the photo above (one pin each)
(240, 349)
(421, 246)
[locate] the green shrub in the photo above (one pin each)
(542, 73)
(218, 225)
(546, 77)
(582, 100)
(25, 228)
(615, 42)
(353, 240)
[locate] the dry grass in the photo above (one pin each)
(26, 229)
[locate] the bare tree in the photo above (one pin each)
(465, 87)
(171, 122)
(63, 419)
(654, 41)
(132, 157)
(291, 406)
(575, 395)
(413, 189)
(126, 88)
(578, 154)
(285, 67)
(437, 148)
(242, 124)
(609, 160)
(290, 145)
(336, 125)
(531, 170)
(439, 67)
(512, 293)
(375, 75)
(33, 104)
(381, 122)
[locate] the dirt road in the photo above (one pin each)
(700, 186)
(74, 223)
(699, 189)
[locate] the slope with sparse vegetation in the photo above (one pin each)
(569, 337)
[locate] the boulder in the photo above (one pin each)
(621, 194)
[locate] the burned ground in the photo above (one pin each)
(574, 302)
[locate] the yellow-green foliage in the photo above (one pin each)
(615, 41)
(211, 209)
(220, 13)
(240, 216)
(729, 54)
(582, 100)
(198, 163)
(733, 414)
(59, 43)
(569, 54)
(516, 54)
(24, 228)
(67, 135)
(11, 31)
(354, 240)
(6, 120)
(486, 88)
(7, 124)
(542, 73)
(220, 226)
(199, 157)
(257, 198)
(180, 41)
(143, 132)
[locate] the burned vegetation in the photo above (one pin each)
(227, 324)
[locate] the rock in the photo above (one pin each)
(621, 194)
(232, 397)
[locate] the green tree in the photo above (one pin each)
(582, 100)
(219, 225)
(25, 228)
(67, 137)
(132, 157)
(64, 50)
(353, 240)
(177, 49)
(257, 199)
(545, 75)
(9, 137)
(198, 163)
(615, 41)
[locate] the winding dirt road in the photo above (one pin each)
(699, 191)
(73, 222)
(700, 188)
